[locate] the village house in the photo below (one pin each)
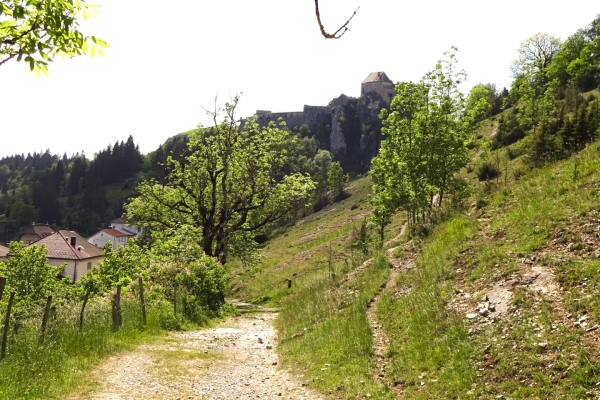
(117, 237)
(68, 247)
(33, 233)
(3, 252)
(121, 224)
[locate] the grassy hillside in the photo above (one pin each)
(503, 302)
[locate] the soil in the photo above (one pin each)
(235, 360)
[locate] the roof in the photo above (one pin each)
(119, 221)
(40, 230)
(59, 247)
(3, 251)
(377, 77)
(117, 232)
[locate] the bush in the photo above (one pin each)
(488, 171)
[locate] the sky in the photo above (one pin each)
(168, 60)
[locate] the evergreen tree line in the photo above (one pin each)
(64, 191)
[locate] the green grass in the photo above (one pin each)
(425, 336)
(51, 370)
(325, 335)
(534, 351)
(302, 251)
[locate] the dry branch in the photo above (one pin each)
(335, 34)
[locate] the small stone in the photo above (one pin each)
(543, 345)
(593, 328)
(269, 347)
(471, 316)
(260, 340)
(483, 312)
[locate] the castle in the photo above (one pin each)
(377, 82)
(348, 127)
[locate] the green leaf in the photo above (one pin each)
(8, 23)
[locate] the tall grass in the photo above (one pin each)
(324, 333)
(426, 337)
(32, 370)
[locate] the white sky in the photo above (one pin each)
(169, 58)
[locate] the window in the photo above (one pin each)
(89, 266)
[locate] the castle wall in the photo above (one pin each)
(384, 89)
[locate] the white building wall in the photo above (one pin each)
(83, 266)
(101, 238)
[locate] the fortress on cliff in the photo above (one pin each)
(349, 127)
(376, 82)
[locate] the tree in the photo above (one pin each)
(478, 94)
(425, 130)
(321, 164)
(227, 185)
(535, 54)
(336, 180)
(35, 31)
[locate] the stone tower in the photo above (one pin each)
(380, 83)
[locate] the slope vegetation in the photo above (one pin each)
(502, 301)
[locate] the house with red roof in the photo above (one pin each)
(73, 252)
(118, 238)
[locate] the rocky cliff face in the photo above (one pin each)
(356, 131)
(348, 127)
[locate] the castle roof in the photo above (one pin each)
(377, 77)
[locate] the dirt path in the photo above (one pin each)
(235, 360)
(380, 337)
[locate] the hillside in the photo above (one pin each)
(514, 273)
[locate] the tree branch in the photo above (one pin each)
(335, 34)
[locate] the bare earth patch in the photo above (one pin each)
(235, 360)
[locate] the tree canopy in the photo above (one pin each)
(426, 131)
(230, 185)
(35, 31)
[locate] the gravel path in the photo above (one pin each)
(235, 360)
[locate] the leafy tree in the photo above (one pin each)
(478, 94)
(228, 184)
(426, 130)
(336, 180)
(22, 213)
(321, 164)
(29, 275)
(535, 54)
(35, 31)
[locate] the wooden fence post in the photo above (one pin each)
(175, 300)
(118, 307)
(6, 322)
(2, 285)
(45, 319)
(85, 300)
(142, 300)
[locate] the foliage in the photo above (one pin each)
(488, 171)
(179, 263)
(35, 31)
(535, 54)
(227, 184)
(426, 132)
(336, 180)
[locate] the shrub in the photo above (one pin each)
(488, 171)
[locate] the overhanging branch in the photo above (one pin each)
(336, 34)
